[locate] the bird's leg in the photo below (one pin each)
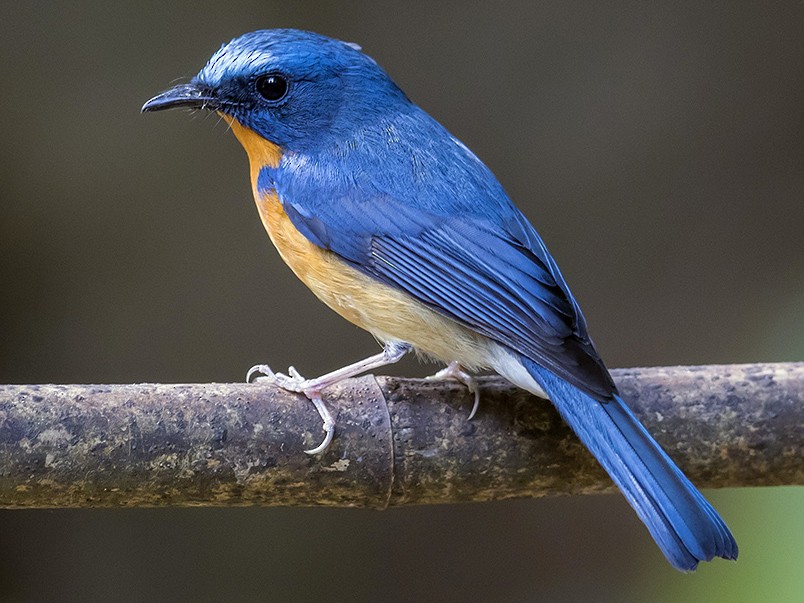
(311, 388)
(454, 370)
(391, 353)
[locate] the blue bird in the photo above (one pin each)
(397, 226)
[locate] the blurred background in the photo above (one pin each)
(657, 147)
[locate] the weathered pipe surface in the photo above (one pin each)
(213, 444)
(397, 442)
(725, 426)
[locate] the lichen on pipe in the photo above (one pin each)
(398, 441)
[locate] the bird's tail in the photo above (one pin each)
(681, 521)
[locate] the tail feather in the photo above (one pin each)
(684, 525)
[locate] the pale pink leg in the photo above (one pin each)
(311, 388)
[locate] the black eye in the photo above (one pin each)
(272, 87)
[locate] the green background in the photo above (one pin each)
(656, 146)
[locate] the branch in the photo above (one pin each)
(398, 441)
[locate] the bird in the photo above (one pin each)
(396, 225)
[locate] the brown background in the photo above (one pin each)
(656, 146)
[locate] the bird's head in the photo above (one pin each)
(293, 88)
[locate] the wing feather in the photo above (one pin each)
(472, 271)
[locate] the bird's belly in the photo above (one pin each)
(389, 314)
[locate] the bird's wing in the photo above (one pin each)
(493, 275)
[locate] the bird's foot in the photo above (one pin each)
(455, 371)
(294, 382)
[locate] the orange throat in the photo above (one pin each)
(261, 152)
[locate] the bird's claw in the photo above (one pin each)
(263, 369)
(294, 382)
(328, 426)
(455, 371)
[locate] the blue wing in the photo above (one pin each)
(433, 221)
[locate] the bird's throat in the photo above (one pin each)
(261, 152)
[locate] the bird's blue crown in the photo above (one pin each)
(331, 85)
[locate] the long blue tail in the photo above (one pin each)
(681, 521)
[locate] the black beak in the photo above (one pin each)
(190, 95)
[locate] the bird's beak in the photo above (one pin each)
(191, 95)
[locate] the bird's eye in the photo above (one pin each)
(272, 87)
